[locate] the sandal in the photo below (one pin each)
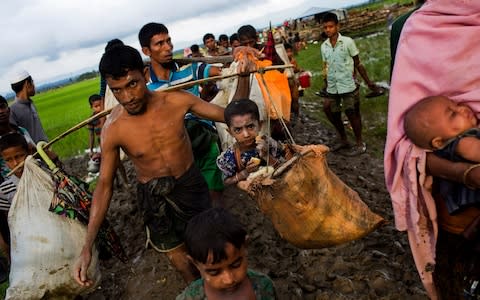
(339, 146)
(357, 150)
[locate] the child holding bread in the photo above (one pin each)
(250, 150)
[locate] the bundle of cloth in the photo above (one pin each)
(309, 206)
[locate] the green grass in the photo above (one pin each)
(382, 4)
(61, 109)
(375, 56)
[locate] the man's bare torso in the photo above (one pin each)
(156, 141)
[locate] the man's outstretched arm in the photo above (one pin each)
(100, 204)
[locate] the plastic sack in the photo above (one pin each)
(44, 246)
(309, 206)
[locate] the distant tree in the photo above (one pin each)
(87, 75)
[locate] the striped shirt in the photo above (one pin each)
(179, 75)
(8, 188)
(186, 73)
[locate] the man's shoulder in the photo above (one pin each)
(16, 105)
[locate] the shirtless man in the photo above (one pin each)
(149, 127)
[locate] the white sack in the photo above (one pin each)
(44, 246)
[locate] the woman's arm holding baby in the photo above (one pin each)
(455, 171)
(469, 148)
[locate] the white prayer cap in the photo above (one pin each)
(19, 76)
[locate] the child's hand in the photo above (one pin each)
(252, 166)
(262, 147)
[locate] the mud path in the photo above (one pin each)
(378, 266)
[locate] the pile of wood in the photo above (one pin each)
(357, 20)
(360, 19)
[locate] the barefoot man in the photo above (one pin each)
(149, 127)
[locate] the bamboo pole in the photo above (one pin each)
(170, 88)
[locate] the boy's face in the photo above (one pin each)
(290, 53)
(97, 106)
(228, 275)
(13, 156)
(244, 129)
(449, 119)
(330, 28)
(235, 43)
(210, 43)
(224, 43)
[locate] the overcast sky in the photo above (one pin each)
(53, 39)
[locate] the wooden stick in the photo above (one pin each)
(210, 60)
(220, 77)
(170, 88)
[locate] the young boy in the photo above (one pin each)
(340, 61)
(250, 150)
(14, 150)
(293, 82)
(451, 130)
(95, 127)
(216, 245)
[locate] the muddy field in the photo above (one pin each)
(378, 266)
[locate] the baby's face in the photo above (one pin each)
(449, 118)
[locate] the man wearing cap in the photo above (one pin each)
(23, 112)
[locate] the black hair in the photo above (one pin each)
(3, 101)
(208, 36)
(223, 37)
(17, 87)
(233, 37)
(247, 32)
(195, 48)
(209, 231)
(93, 98)
(330, 17)
(119, 60)
(148, 31)
(113, 43)
(239, 108)
(288, 46)
(12, 139)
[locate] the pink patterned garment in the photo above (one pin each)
(438, 53)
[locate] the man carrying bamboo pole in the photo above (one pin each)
(149, 127)
(164, 72)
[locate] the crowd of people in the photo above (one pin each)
(179, 168)
(183, 163)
